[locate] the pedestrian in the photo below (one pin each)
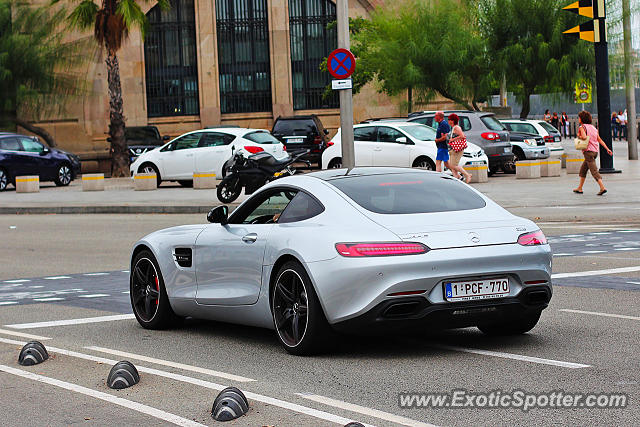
(587, 130)
(555, 121)
(547, 116)
(442, 133)
(622, 117)
(614, 125)
(564, 118)
(457, 144)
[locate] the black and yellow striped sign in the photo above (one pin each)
(581, 7)
(587, 31)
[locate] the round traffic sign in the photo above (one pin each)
(341, 63)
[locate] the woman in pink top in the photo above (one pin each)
(591, 153)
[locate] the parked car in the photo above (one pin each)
(525, 146)
(141, 139)
(203, 151)
(300, 133)
(400, 144)
(26, 155)
(481, 128)
(552, 137)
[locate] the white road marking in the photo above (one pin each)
(171, 364)
(596, 313)
(627, 249)
(562, 254)
(93, 295)
(56, 277)
(125, 292)
(36, 287)
(594, 252)
(67, 322)
(596, 272)
(95, 274)
(16, 281)
(205, 384)
(634, 283)
(628, 231)
(48, 299)
(125, 271)
(601, 233)
(8, 302)
(138, 407)
(23, 335)
(572, 235)
(523, 358)
(385, 416)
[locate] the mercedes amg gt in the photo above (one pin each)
(356, 251)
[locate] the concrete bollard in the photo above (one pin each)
(527, 169)
(145, 181)
(28, 184)
(574, 161)
(563, 159)
(478, 173)
(93, 182)
(550, 167)
(204, 180)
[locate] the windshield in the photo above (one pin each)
(408, 193)
(492, 123)
(295, 127)
(262, 138)
(546, 126)
(420, 132)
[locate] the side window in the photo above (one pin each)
(215, 139)
(31, 146)
(367, 133)
(265, 211)
(386, 134)
(302, 207)
(187, 141)
(10, 144)
(465, 123)
(424, 121)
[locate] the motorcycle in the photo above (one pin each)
(253, 172)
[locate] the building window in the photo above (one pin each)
(243, 56)
(171, 66)
(311, 41)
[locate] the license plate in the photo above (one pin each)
(295, 140)
(476, 289)
(556, 139)
(477, 163)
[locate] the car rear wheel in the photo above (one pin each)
(4, 179)
(512, 326)
(510, 165)
(63, 176)
(335, 164)
(149, 298)
(297, 315)
(150, 168)
(424, 163)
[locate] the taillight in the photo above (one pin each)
(317, 140)
(284, 148)
(380, 249)
(490, 136)
(532, 239)
(548, 138)
(330, 143)
(252, 149)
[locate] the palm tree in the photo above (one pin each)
(111, 23)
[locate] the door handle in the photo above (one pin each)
(250, 238)
(377, 149)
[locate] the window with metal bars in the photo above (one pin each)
(171, 67)
(311, 42)
(243, 56)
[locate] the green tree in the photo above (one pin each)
(527, 44)
(36, 77)
(111, 22)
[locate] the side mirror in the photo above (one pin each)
(166, 138)
(402, 140)
(326, 131)
(44, 151)
(218, 215)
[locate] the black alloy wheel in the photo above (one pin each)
(63, 176)
(4, 180)
(335, 164)
(423, 163)
(229, 189)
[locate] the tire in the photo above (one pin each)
(63, 175)
(229, 189)
(186, 184)
(149, 300)
(335, 163)
(150, 168)
(424, 163)
(492, 171)
(298, 318)
(4, 179)
(510, 166)
(512, 326)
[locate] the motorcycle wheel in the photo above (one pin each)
(229, 189)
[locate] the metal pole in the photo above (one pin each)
(632, 129)
(346, 95)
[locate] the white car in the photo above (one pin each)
(400, 144)
(206, 150)
(551, 135)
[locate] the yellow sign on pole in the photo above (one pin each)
(581, 7)
(583, 92)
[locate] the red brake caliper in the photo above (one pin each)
(158, 289)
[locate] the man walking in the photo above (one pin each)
(442, 134)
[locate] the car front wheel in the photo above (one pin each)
(335, 164)
(149, 168)
(4, 180)
(63, 176)
(512, 325)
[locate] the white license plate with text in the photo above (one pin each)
(470, 290)
(295, 140)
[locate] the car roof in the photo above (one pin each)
(307, 117)
(389, 123)
(330, 174)
(233, 130)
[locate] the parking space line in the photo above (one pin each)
(16, 281)
(596, 272)
(594, 252)
(563, 254)
(205, 384)
(627, 249)
(67, 322)
(596, 313)
(138, 407)
(8, 302)
(171, 364)
(375, 413)
(23, 335)
(95, 274)
(56, 277)
(521, 357)
(48, 299)
(93, 295)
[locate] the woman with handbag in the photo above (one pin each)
(457, 144)
(588, 141)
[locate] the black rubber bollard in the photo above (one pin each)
(32, 353)
(123, 375)
(230, 404)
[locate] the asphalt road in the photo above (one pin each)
(58, 269)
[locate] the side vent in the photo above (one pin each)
(182, 256)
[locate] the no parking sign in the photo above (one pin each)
(341, 63)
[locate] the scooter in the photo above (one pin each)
(253, 172)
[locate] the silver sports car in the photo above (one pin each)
(365, 250)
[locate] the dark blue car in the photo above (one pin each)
(26, 155)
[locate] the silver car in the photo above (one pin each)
(365, 250)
